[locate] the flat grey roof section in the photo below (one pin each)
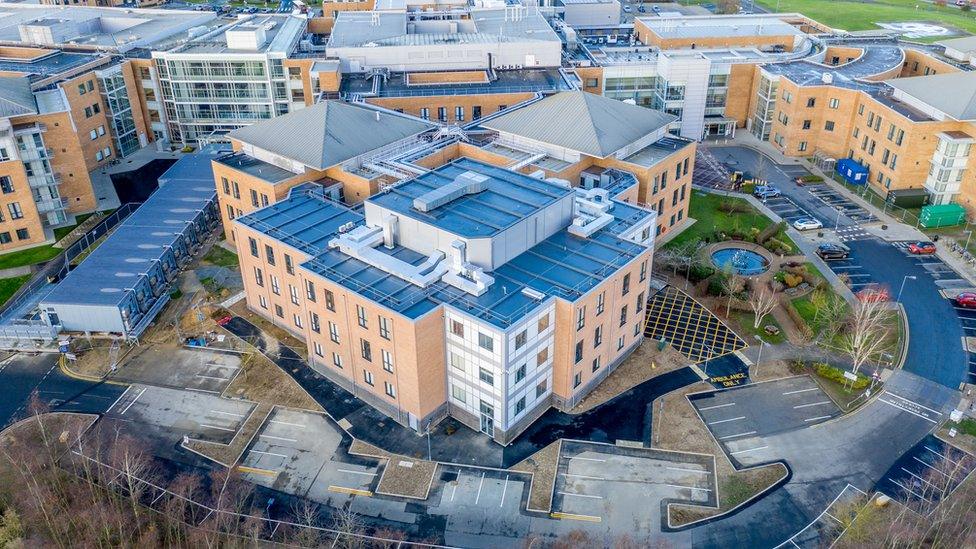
(330, 132)
(964, 44)
(877, 58)
(143, 238)
(953, 93)
(16, 97)
(506, 81)
(265, 171)
(54, 63)
(281, 35)
(584, 122)
(719, 26)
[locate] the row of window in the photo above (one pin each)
(895, 134)
(832, 102)
(458, 113)
(85, 87)
(22, 234)
(602, 298)
(93, 109)
(459, 394)
(598, 331)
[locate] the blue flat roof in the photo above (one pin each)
(48, 65)
(104, 277)
(510, 198)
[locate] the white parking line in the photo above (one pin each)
(750, 450)
(737, 435)
(945, 457)
(218, 428)
(688, 487)
(801, 391)
(279, 422)
(201, 390)
(902, 408)
(504, 491)
(699, 471)
(818, 418)
(727, 420)
(921, 479)
(454, 485)
(930, 467)
(126, 409)
(716, 406)
(580, 495)
(279, 438)
(480, 486)
(907, 489)
(125, 392)
(821, 403)
(912, 402)
(585, 459)
(214, 377)
(350, 471)
(267, 453)
(584, 477)
(226, 413)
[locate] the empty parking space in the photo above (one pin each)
(303, 453)
(784, 207)
(200, 370)
(741, 418)
(842, 204)
(926, 474)
(689, 327)
(944, 276)
(485, 488)
(709, 172)
(831, 523)
(853, 271)
(196, 415)
(603, 483)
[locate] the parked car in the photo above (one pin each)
(830, 251)
(922, 248)
(872, 293)
(807, 224)
(765, 191)
(626, 9)
(966, 300)
(641, 8)
(656, 9)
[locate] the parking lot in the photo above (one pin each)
(831, 523)
(688, 326)
(926, 474)
(841, 203)
(200, 370)
(303, 453)
(181, 413)
(740, 418)
(943, 275)
(622, 486)
(784, 207)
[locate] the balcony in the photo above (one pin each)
(32, 154)
(51, 205)
(44, 180)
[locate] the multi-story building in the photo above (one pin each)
(503, 270)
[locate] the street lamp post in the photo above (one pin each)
(761, 345)
(903, 280)
(707, 357)
(969, 235)
(428, 442)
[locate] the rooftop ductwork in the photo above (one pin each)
(463, 185)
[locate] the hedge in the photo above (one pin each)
(806, 329)
(827, 371)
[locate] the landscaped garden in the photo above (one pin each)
(719, 218)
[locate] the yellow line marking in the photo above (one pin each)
(571, 516)
(257, 471)
(344, 490)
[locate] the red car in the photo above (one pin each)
(873, 293)
(966, 300)
(921, 248)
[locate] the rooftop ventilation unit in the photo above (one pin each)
(465, 184)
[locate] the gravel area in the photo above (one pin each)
(542, 466)
(402, 476)
(263, 381)
(643, 364)
(229, 454)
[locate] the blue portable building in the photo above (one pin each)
(852, 171)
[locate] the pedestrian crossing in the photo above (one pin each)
(853, 232)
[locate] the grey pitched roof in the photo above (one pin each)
(931, 90)
(16, 97)
(331, 132)
(581, 121)
(964, 44)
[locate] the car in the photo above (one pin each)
(921, 248)
(807, 224)
(966, 300)
(830, 251)
(765, 191)
(641, 8)
(873, 293)
(656, 9)
(626, 9)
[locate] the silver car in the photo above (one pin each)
(807, 224)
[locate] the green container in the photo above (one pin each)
(942, 215)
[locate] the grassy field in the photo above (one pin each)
(854, 16)
(10, 285)
(704, 208)
(38, 254)
(221, 257)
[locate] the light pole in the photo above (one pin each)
(707, 357)
(969, 235)
(903, 280)
(428, 442)
(837, 221)
(761, 345)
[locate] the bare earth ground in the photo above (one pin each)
(229, 454)
(64, 427)
(768, 370)
(542, 465)
(643, 364)
(263, 381)
(962, 441)
(685, 432)
(281, 335)
(403, 476)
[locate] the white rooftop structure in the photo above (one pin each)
(711, 26)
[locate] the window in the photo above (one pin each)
(601, 303)
(597, 336)
(275, 287)
(258, 277)
(269, 252)
(540, 389)
(264, 199)
(620, 343)
(81, 89)
(802, 146)
(4, 156)
(579, 350)
(811, 102)
(442, 114)
(806, 124)
(542, 357)
(333, 332)
(310, 290)
(6, 184)
(225, 184)
(580, 318)
(279, 312)
(870, 119)
(387, 358)
(457, 328)
(626, 284)
(384, 327)
(643, 271)
(15, 211)
(577, 380)
(390, 391)
(834, 103)
(458, 393)
(459, 114)
(263, 302)
(237, 189)
(520, 406)
(520, 373)
(96, 108)
(93, 135)
(330, 300)
(486, 342)
(254, 198)
(313, 322)
(425, 113)
(298, 320)
(317, 348)
(543, 323)
(289, 265)
(5, 238)
(336, 360)
(22, 234)
(640, 303)
(368, 377)
(901, 136)
(829, 125)
(365, 349)
(596, 364)
(361, 317)
(520, 339)
(486, 376)
(476, 112)
(88, 112)
(591, 83)
(456, 361)
(623, 315)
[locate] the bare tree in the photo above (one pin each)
(350, 527)
(762, 301)
(728, 6)
(731, 285)
(866, 331)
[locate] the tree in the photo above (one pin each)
(866, 331)
(731, 285)
(728, 6)
(762, 301)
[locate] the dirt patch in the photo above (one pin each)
(542, 466)
(402, 476)
(964, 442)
(277, 335)
(644, 363)
(64, 428)
(677, 427)
(769, 370)
(261, 380)
(229, 454)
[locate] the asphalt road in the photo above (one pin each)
(22, 375)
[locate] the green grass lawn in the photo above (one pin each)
(747, 319)
(808, 312)
(10, 285)
(967, 426)
(39, 254)
(853, 15)
(704, 208)
(221, 257)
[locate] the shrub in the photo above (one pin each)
(797, 366)
(699, 272)
(811, 179)
(716, 285)
(792, 280)
(827, 371)
(733, 207)
(771, 231)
